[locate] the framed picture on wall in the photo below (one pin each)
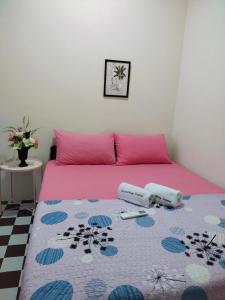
(117, 78)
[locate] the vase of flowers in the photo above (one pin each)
(21, 139)
(119, 74)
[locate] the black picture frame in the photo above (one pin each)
(117, 78)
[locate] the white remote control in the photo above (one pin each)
(133, 214)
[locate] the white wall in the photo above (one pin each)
(52, 65)
(199, 127)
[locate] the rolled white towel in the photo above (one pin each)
(134, 194)
(164, 195)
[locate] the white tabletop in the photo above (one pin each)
(13, 166)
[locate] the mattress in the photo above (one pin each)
(101, 181)
(83, 250)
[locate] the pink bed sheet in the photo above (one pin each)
(101, 181)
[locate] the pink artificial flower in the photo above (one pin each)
(36, 143)
(11, 137)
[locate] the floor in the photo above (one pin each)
(15, 226)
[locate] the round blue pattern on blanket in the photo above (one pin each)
(52, 202)
(81, 215)
(222, 263)
(126, 292)
(223, 202)
(186, 197)
(95, 288)
(54, 290)
(110, 251)
(100, 220)
(173, 245)
(222, 223)
(194, 293)
(145, 221)
(54, 217)
(93, 200)
(49, 256)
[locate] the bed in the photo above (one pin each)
(101, 181)
(81, 249)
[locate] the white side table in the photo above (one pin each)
(12, 167)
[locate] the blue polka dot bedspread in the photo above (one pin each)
(84, 250)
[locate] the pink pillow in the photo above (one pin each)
(80, 149)
(141, 149)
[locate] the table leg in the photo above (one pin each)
(0, 193)
(42, 171)
(11, 179)
(34, 187)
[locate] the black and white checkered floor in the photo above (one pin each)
(15, 226)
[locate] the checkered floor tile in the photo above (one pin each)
(15, 224)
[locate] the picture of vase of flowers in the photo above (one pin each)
(20, 138)
(117, 78)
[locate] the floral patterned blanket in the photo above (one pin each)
(83, 250)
